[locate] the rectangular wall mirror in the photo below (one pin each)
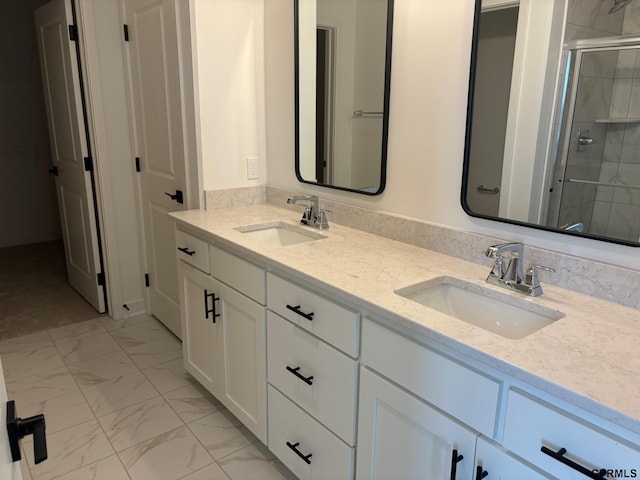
(553, 124)
(342, 78)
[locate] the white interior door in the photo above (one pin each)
(155, 89)
(63, 101)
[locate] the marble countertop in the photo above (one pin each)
(589, 357)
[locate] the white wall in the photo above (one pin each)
(229, 38)
(429, 83)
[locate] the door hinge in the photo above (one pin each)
(146, 280)
(88, 164)
(126, 32)
(138, 164)
(101, 278)
(73, 33)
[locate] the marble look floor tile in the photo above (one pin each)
(41, 386)
(155, 352)
(140, 422)
(255, 462)
(70, 449)
(118, 393)
(59, 412)
(110, 324)
(221, 434)
(87, 348)
(32, 359)
(210, 472)
(109, 468)
(76, 331)
(169, 376)
(192, 402)
(169, 456)
(102, 369)
(17, 344)
(129, 337)
(24, 468)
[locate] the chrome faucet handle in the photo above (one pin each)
(531, 278)
(321, 220)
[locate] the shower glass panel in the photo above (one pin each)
(597, 179)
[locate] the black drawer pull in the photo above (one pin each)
(296, 372)
(296, 309)
(559, 456)
(455, 459)
(304, 457)
(211, 310)
(186, 250)
(480, 473)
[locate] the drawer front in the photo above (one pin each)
(289, 425)
(330, 396)
(239, 274)
(328, 320)
(192, 250)
(531, 424)
(466, 394)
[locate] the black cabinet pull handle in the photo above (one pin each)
(54, 171)
(176, 196)
(211, 310)
(455, 459)
(480, 473)
(296, 372)
(19, 427)
(296, 309)
(559, 456)
(304, 457)
(187, 251)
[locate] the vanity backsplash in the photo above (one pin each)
(609, 282)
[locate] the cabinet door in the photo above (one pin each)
(401, 437)
(240, 358)
(502, 465)
(198, 328)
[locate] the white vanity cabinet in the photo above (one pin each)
(494, 462)
(224, 337)
(312, 348)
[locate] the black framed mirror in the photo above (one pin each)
(342, 81)
(553, 125)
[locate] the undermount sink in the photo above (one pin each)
(279, 233)
(501, 313)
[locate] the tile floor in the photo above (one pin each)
(119, 405)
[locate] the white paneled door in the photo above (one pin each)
(71, 158)
(154, 71)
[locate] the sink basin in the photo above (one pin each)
(279, 233)
(501, 313)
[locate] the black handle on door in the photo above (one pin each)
(296, 309)
(480, 473)
(455, 459)
(17, 428)
(187, 251)
(176, 196)
(559, 456)
(304, 457)
(211, 310)
(54, 170)
(296, 372)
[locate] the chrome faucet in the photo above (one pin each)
(512, 276)
(313, 215)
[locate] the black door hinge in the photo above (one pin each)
(146, 280)
(138, 164)
(88, 164)
(126, 32)
(101, 278)
(73, 33)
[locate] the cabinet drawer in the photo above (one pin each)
(239, 274)
(466, 394)
(192, 250)
(289, 425)
(331, 397)
(324, 318)
(531, 424)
